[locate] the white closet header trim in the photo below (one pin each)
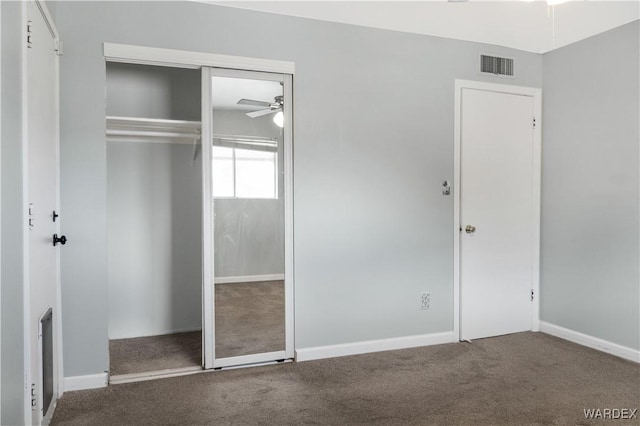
(132, 54)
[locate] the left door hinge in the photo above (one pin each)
(29, 36)
(534, 122)
(34, 397)
(532, 293)
(30, 215)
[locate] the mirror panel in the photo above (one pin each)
(248, 205)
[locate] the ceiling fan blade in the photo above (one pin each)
(260, 113)
(253, 102)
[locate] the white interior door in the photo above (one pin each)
(497, 213)
(42, 178)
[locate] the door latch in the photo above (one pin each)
(62, 239)
(446, 189)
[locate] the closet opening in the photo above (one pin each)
(154, 219)
(200, 212)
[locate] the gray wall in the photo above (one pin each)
(153, 92)
(373, 142)
(12, 205)
(154, 237)
(590, 229)
(249, 233)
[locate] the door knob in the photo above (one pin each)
(62, 239)
(470, 229)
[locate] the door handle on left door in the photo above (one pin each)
(61, 239)
(470, 229)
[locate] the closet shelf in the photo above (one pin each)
(134, 129)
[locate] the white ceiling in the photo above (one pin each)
(228, 91)
(532, 26)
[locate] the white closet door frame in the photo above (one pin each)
(143, 55)
(208, 232)
(536, 94)
(208, 272)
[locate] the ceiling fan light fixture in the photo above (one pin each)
(278, 119)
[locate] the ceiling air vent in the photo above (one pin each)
(496, 66)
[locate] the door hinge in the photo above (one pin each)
(34, 399)
(532, 295)
(534, 122)
(29, 41)
(30, 215)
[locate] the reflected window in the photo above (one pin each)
(244, 173)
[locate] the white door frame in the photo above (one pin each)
(536, 94)
(208, 272)
(114, 52)
(0, 214)
(57, 315)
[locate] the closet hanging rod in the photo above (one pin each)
(246, 139)
(158, 134)
(152, 122)
(196, 135)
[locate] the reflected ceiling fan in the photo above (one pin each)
(267, 107)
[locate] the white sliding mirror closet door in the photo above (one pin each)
(249, 223)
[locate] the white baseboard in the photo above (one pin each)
(91, 381)
(332, 351)
(249, 278)
(590, 341)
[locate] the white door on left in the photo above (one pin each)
(42, 195)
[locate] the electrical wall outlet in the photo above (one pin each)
(425, 300)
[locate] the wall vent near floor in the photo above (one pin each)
(46, 334)
(495, 65)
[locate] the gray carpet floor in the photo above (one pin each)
(154, 353)
(249, 320)
(520, 379)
